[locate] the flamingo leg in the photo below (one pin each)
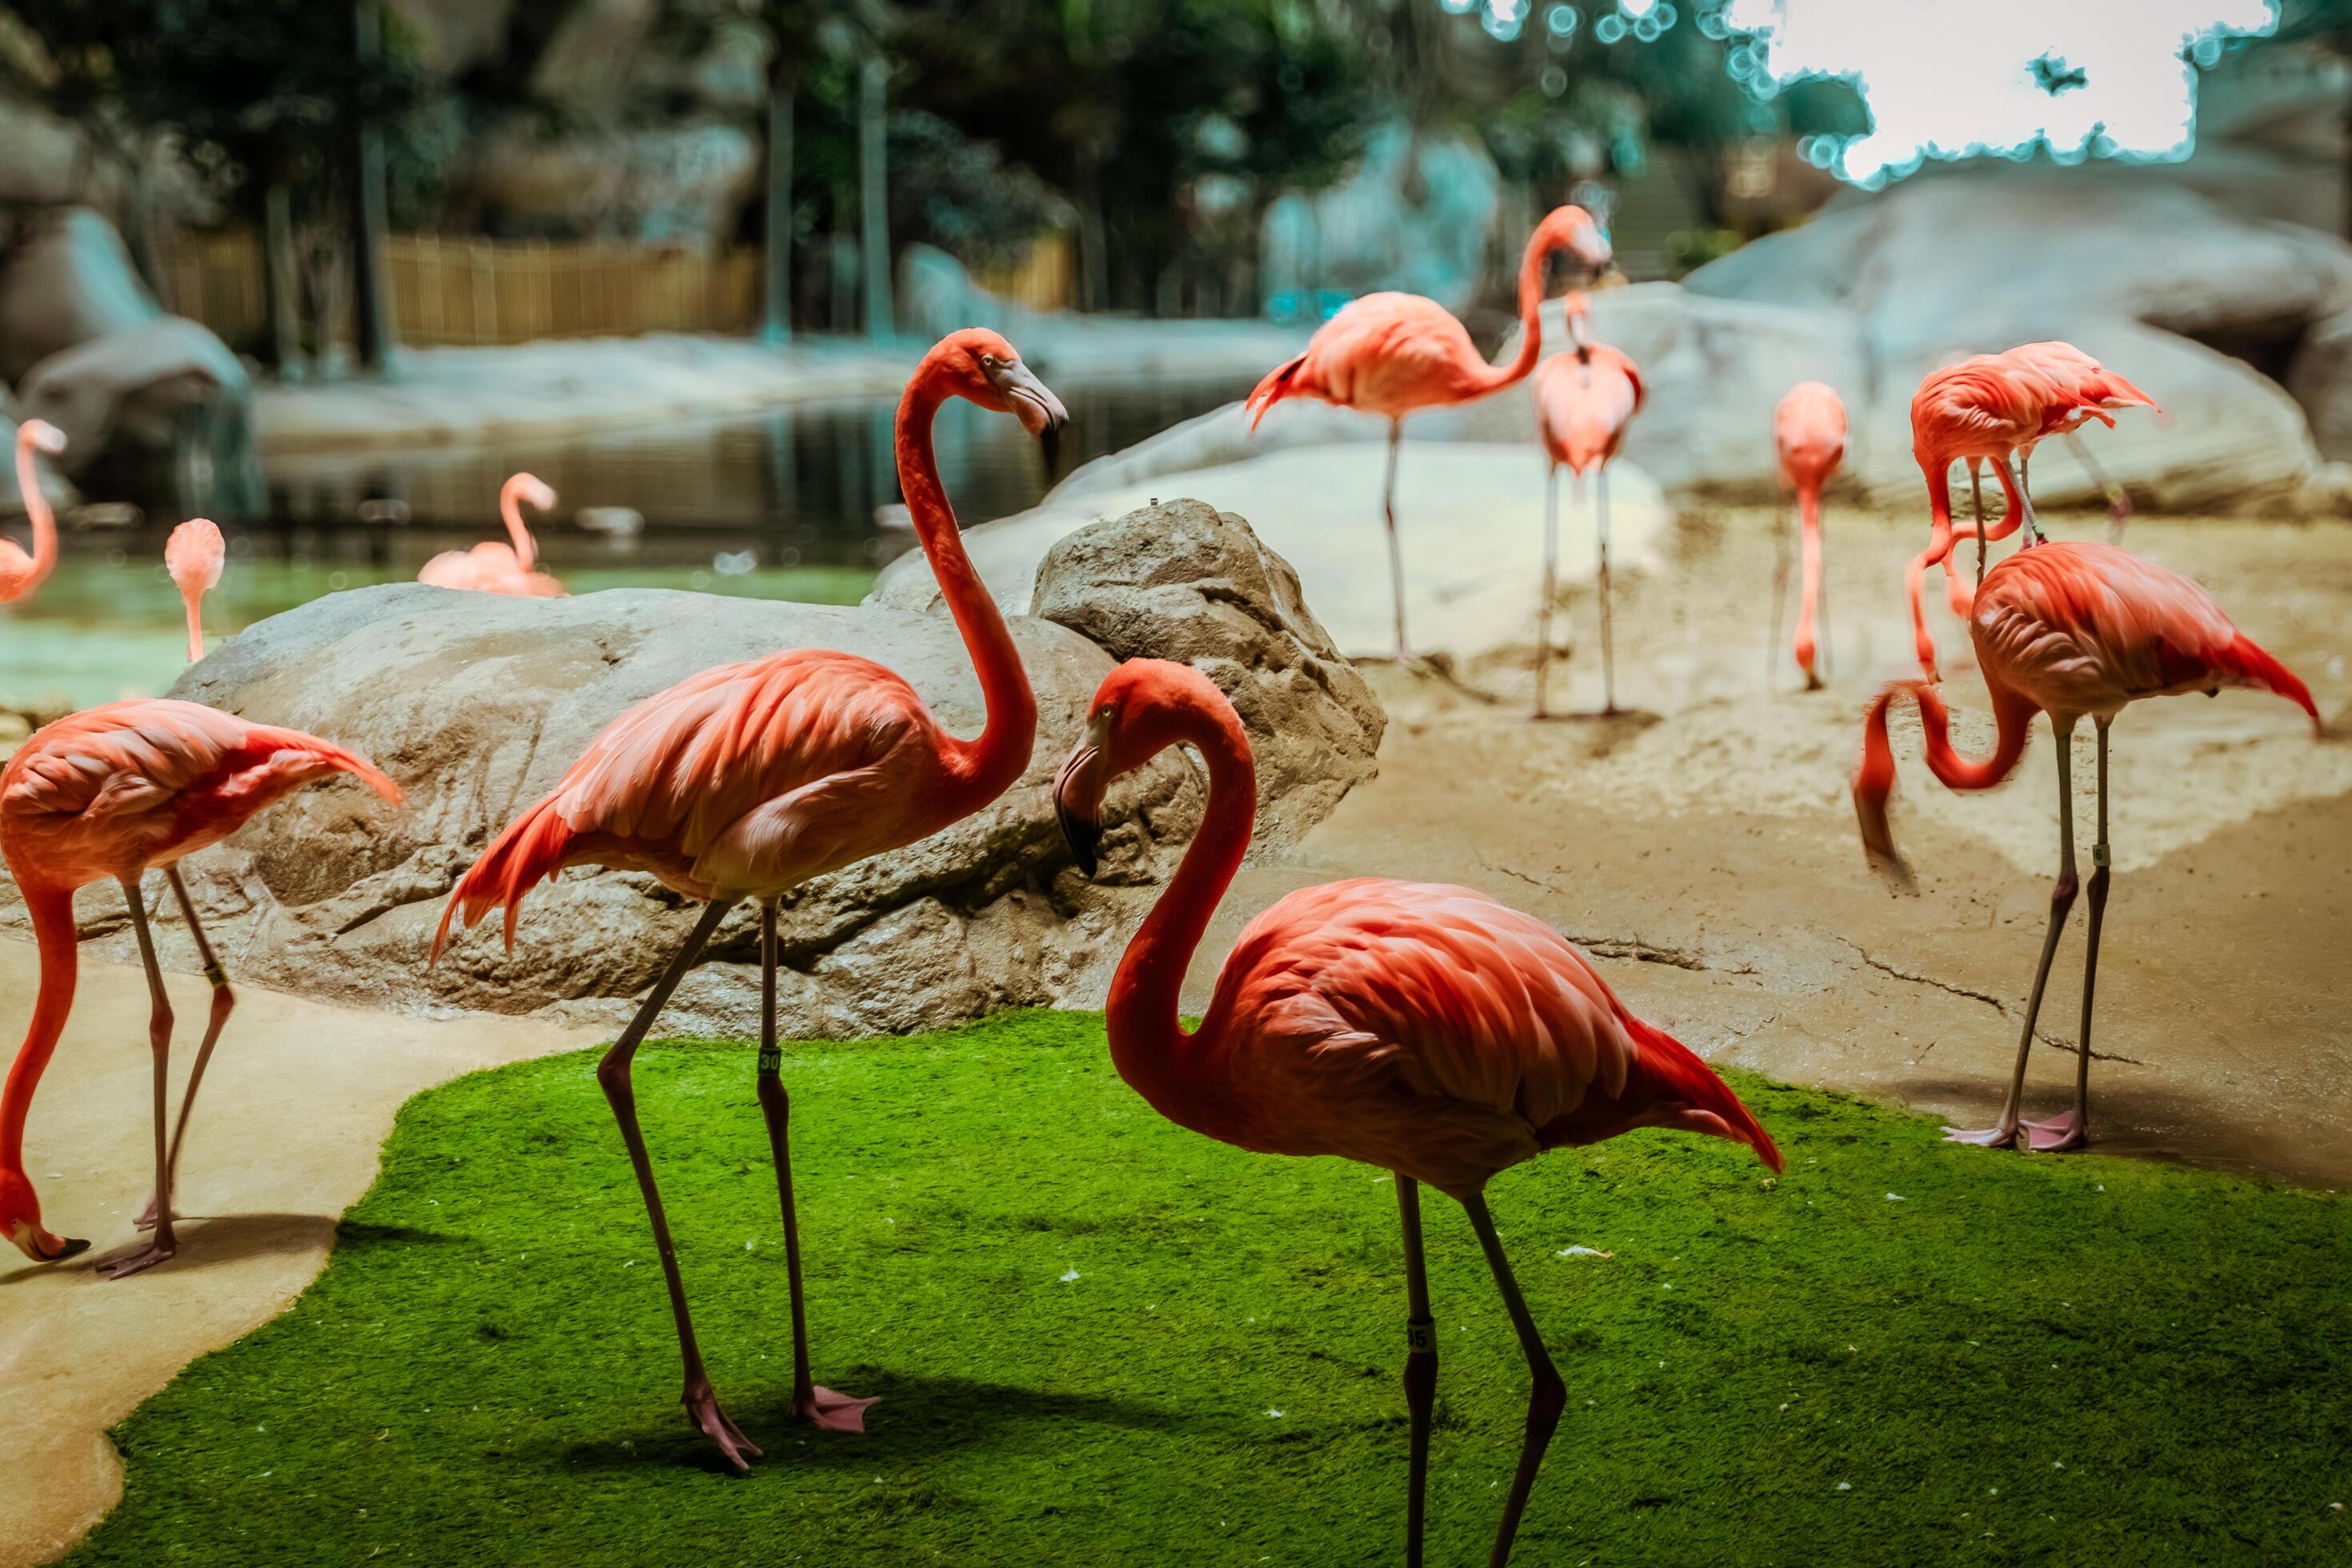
(2073, 1131)
(2020, 503)
(612, 1077)
(1976, 490)
(2003, 1135)
(1547, 1396)
(2119, 501)
(1550, 584)
(1780, 592)
(163, 1243)
(819, 1407)
(1396, 550)
(1608, 648)
(1420, 1365)
(224, 1001)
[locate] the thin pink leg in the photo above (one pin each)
(164, 1244)
(1547, 1396)
(2073, 1130)
(223, 1003)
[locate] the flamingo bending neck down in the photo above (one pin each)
(194, 557)
(1391, 355)
(21, 574)
(1585, 399)
(745, 781)
(116, 791)
(1809, 433)
(1421, 1029)
(493, 568)
(2068, 629)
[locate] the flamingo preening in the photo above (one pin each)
(1988, 408)
(1585, 399)
(747, 780)
(491, 567)
(2090, 390)
(21, 574)
(1809, 434)
(2067, 629)
(194, 555)
(1421, 1029)
(115, 791)
(1393, 355)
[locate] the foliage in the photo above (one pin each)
(1101, 1340)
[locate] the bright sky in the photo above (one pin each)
(1946, 77)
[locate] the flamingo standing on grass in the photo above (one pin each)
(194, 557)
(1584, 401)
(1421, 1029)
(1393, 355)
(493, 568)
(2066, 629)
(21, 574)
(118, 791)
(747, 780)
(1809, 433)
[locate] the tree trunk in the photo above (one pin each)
(776, 328)
(371, 295)
(873, 199)
(282, 283)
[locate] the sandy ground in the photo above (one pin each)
(1703, 851)
(298, 1102)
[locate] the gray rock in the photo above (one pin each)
(1182, 580)
(1415, 214)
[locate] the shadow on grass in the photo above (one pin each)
(918, 1418)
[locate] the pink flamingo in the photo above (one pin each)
(21, 574)
(493, 568)
(1808, 432)
(1983, 409)
(2091, 389)
(1393, 355)
(115, 791)
(1421, 1029)
(194, 555)
(1584, 401)
(747, 780)
(2066, 629)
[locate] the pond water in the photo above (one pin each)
(780, 504)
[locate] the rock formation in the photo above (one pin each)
(476, 703)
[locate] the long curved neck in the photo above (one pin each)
(37, 511)
(1531, 294)
(986, 767)
(2012, 715)
(525, 548)
(1148, 1042)
(53, 929)
(195, 598)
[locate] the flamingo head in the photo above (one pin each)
(1577, 310)
(40, 435)
(532, 490)
(981, 366)
(1573, 230)
(20, 1217)
(1141, 708)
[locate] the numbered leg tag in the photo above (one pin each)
(771, 1057)
(2099, 856)
(1420, 1336)
(216, 975)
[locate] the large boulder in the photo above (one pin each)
(476, 703)
(1415, 214)
(1181, 580)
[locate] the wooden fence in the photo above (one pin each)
(471, 292)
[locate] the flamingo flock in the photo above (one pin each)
(1426, 1031)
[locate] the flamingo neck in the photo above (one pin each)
(1494, 378)
(37, 513)
(53, 929)
(526, 549)
(1940, 510)
(195, 599)
(2012, 715)
(986, 767)
(1148, 1043)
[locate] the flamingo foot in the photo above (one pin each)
(146, 1219)
(1812, 681)
(2059, 1135)
(830, 1412)
(2002, 1137)
(703, 1405)
(159, 1250)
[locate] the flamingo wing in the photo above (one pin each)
(1385, 354)
(1585, 405)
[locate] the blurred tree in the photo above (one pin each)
(2328, 25)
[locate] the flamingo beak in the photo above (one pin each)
(41, 1247)
(1077, 798)
(1040, 412)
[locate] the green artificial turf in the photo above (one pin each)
(1102, 1341)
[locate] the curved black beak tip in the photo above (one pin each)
(1049, 441)
(1084, 837)
(74, 1247)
